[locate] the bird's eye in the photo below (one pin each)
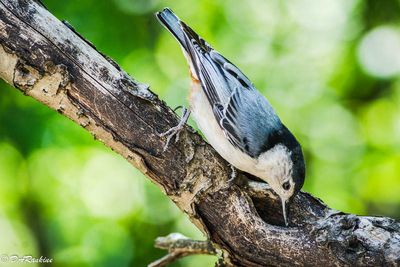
(286, 185)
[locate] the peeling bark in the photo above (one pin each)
(47, 60)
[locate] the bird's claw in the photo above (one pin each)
(175, 131)
(233, 176)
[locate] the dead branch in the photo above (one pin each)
(180, 246)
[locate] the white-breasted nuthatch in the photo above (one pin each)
(235, 118)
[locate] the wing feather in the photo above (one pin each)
(245, 116)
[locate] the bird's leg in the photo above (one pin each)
(174, 131)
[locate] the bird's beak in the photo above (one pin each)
(284, 211)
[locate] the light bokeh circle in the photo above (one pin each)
(379, 52)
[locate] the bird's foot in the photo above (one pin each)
(233, 177)
(174, 131)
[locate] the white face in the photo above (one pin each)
(275, 167)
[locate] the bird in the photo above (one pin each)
(236, 119)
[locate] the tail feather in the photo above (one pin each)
(192, 44)
(173, 24)
(182, 32)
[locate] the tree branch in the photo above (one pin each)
(180, 246)
(47, 60)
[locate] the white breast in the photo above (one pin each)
(205, 119)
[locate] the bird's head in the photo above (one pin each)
(282, 166)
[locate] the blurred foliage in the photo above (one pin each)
(331, 69)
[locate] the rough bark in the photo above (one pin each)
(49, 61)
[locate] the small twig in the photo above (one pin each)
(180, 246)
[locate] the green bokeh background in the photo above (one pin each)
(330, 68)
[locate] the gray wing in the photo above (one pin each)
(248, 121)
(245, 116)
